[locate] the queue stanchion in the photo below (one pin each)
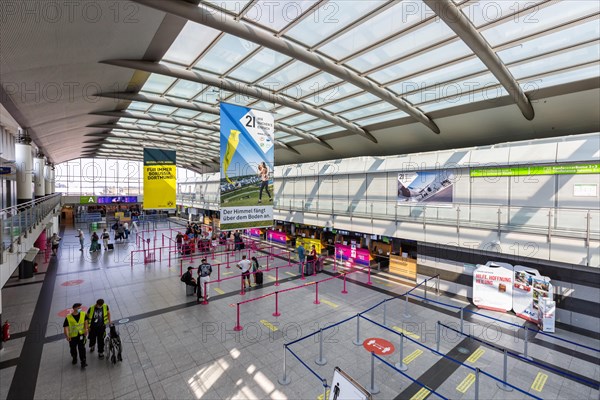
(238, 327)
(302, 278)
(205, 301)
(316, 293)
(181, 268)
(400, 364)
(315, 267)
(160, 254)
(374, 389)
(321, 360)
(131, 263)
(285, 379)
(169, 257)
(219, 272)
(276, 276)
(289, 258)
(267, 263)
(243, 292)
(163, 239)
(276, 313)
(227, 261)
(369, 279)
(344, 291)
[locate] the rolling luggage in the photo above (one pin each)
(258, 276)
(308, 269)
(110, 246)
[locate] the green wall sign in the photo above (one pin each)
(88, 199)
(571, 169)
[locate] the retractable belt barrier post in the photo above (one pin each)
(276, 313)
(205, 301)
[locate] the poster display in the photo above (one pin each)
(255, 232)
(343, 387)
(352, 254)
(493, 286)
(247, 160)
(160, 179)
(276, 236)
(425, 186)
(529, 287)
(547, 315)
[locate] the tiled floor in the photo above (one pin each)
(175, 348)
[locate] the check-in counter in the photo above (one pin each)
(403, 266)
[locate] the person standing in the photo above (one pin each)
(263, 173)
(75, 328)
(99, 318)
(245, 266)
(95, 246)
(204, 271)
(54, 242)
(255, 268)
(301, 257)
(179, 241)
(126, 229)
(81, 239)
(105, 239)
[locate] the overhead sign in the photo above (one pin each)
(88, 199)
(247, 160)
(379, 346)
(344, 387)
(570, 169)
(160, 179)
(493, 286)
(425, 186)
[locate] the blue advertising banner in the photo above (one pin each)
(247, 158)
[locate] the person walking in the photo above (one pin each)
(204, 271)
(105, 239)
(81, 239)
(99, 318)
(94, 246)
(245, 266)
(54, 242)
(263, 173)
(301, 257)
(75, 328)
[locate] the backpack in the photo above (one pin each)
(182, 279)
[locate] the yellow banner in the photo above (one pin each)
(160, 186)
(308, 242)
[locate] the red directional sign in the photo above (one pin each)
(75, 282)
(379, 346)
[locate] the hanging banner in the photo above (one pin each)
(247, 159)
(568, 169)
(160, 179)
(493, 286)
(430, 186)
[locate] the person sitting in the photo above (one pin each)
(189, 279)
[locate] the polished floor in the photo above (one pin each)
(175, 348)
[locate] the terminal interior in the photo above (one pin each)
(442, 157)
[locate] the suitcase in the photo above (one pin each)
(308, 269)
(110, 246)
(258, 276)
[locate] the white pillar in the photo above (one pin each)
(24, 161)
(52, 180)
(47, 184)
(38, 177)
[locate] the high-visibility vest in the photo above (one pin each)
(76, 328)
(104, 313)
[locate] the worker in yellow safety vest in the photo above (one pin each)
(76, 329)
(99, 317)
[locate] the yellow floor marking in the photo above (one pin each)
(476, 355)
(269, 325)
(466, 383)
(411, 357)
(421, 394)
(271, 277)
(220, 291)
(406, 333)
(227, 273)
(539, 382)
(329, 303)
(290, 273)
(320, 397)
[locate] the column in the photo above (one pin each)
(52, 179)
(47, 183)
(39, 180)
(24, 161)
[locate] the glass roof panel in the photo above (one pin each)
(381, 118)
(329, 18)
(332, 93)
(316, 124)
(431, 78)
(557, 40)
(276, 15)
(193, 40)
(393, 20)
(326, 131)
(233, 6)
(571, 75)
(557, 61)
(283, 111)
(537, 20)
(289, 139)
(430, 34)
(315, 84)
(421, 62)
(138, 106)
(481, 95)
(160, 109)
(298, 119)
(185, 113)
(167, 125)
(258, 65)
(352, 102)
(284, 77)
(146, 122)
(456, 89)
(206, 117)
(186, 89)
(157, 83)
(225, 54)
(485, 11)
(128, 120)
(369, 110)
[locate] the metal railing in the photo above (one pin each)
(18, 221)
